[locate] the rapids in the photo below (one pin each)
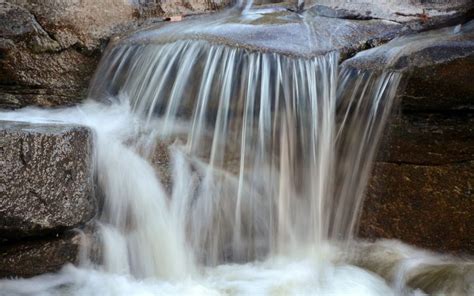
(260, 182)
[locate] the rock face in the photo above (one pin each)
(50, 49)
(46, 181)
(421, 188)
(30, 258)
(426, 206)
(46, 189)
(441, 86)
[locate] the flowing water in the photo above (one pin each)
(229, 171)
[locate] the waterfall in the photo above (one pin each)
(223, 167)
(272, 152)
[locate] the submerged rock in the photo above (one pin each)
(274, 30)
(46, 182)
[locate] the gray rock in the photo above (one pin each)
(50, 49)
(418, 50)
(415, 15)
(46, 178)
(17, 23)
(273, 29)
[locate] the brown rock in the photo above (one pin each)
(46, 178)
(428, 138)
(161, 161)
(49, 254)
(441, 86)
(427, 206)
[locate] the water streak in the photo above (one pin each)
(280, 150)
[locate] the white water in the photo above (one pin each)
(131, 184)
(326, 270)
(153, 232)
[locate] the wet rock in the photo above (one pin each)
(275, 30)
(414, 15)
(46, 178)
(428, 138)
(161, 160)
(50, 49)
(427, 206)
(421, 189)
(437, 66)
(48, 254)
(433, 274)
(442, 86)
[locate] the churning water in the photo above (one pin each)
(227, 171)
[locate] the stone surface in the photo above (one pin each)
(427, 206)
(428, 138)
(441, 86)
(430, 48)
(50, 49)
(44, 255)
(413, 14)
(275, 29)
(161, 160)
(46, 178)
(437, 66)
(421, 188)
(434, 274)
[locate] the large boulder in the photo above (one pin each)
(421, 187)
(50, 49)
(46, 178)
(437, 66)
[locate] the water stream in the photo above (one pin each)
(228, 171)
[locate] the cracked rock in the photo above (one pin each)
(46, 178)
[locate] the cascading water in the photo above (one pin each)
(269, 155)
(263, 141)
